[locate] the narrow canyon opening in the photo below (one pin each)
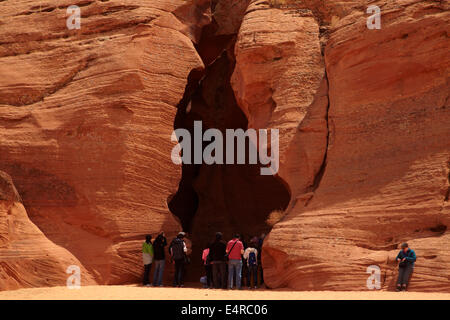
(230, 198)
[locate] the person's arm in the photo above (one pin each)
(242, 248)
(246, 254)
(411, 258)
(227, 248)
(398, 256)
(184, 247)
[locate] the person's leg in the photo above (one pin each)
(209, 280)
(238, 270)
(216, 274)
(253, 274)
(146, 274)
(175, 275)
(223, 270)
(162, 264)
(400, 278)
(155, 272)
(406, 276)
(181, 279)
(249, 270)
(230, 274)
(262, 273)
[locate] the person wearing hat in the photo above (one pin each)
(406, 258)
(178, 252)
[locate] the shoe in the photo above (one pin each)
(148, 285)
(255, 287)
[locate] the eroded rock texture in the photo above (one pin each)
(385, 172)
(27, 257)
(86, 118)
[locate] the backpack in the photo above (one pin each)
(177, 248)
(252, 259)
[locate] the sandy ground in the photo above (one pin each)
(144, 293)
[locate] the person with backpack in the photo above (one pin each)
(234, 251)
(406, 258)
(217, 255)
(208, 267)
(251, 255)
(159, 258)
(147, 257)
(178, 252)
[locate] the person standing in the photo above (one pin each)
(208, 267)
(406, 258)
(260, 248)
(244, 278)
(234, 250)
(217, 254)
(178, 252)
(159, 258)
(251, 256)
(147, 256)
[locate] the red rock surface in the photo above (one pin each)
(385, 177)
(27, 257)
(86, 118)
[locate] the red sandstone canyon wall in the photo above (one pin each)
(86, 118)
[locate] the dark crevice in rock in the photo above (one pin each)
(220, 197)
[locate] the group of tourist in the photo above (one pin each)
(226, 262)
(242, 260)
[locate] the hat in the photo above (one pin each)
(181, 234)
(404, 245)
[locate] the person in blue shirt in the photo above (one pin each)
(406, 258)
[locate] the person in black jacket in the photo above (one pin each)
(159, 259)
(217, 256)
(178, 253)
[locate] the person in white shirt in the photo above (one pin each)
(251, 256)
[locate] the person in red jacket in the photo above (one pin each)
(235, 249)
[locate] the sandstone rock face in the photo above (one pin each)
(27, 257)
(86, 118)
(385, 176)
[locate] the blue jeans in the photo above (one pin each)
(159, 270)
(234, 268)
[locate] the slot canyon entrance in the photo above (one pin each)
(231, 198)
